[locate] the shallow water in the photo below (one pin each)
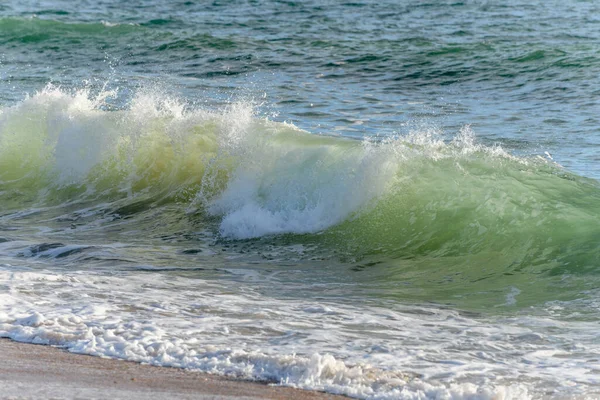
(380, 200)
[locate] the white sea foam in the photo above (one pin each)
(366, 352)
(300, 189)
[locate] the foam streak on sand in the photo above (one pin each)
(59, 374)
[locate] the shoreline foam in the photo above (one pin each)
(29, 371)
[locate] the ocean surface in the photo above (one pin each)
(382, 199)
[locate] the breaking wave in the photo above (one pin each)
(447, 207)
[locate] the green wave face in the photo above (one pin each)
(414, 218)
(477, 229)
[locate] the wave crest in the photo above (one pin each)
(406, 198)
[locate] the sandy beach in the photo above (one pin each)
(41, 372)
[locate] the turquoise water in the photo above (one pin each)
(376, 199)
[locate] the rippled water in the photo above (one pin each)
(376, 199)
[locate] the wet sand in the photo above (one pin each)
(30, 371)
